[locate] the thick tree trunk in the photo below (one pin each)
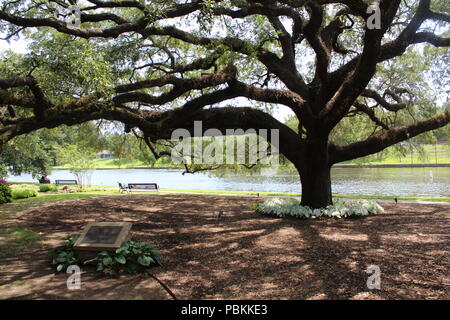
(314, 170)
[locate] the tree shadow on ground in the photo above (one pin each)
(244, 255)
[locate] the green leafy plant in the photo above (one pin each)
(47, 188)
(5, 193)
(64, 256)
(288, 207)
(23, 193)
(132, 257)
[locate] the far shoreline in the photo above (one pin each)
(352, 166)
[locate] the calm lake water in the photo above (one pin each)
(367, 181)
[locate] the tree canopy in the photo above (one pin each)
(158, 66)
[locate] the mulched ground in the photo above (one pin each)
(245, 255)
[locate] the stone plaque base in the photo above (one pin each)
(101, 236)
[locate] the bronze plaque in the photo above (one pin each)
(102, 234)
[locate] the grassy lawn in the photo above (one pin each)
(68, 196)
(15, 240)
(95, 191)
(439, 154)
(288, 194)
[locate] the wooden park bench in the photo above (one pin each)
(143, 186)
(65, 182)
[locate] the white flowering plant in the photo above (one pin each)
(289, 207)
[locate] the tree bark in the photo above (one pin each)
(314, 169)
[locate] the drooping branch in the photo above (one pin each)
(370, 113)
(394, 107)
(385, 139)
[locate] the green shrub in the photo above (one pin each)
(5, 193)
(23, 193)
(132, 257)
(24, 185)
(48, 187)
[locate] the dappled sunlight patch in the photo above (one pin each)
(283, 259)
(208, 229)
(417, 238)
(281, 238)
(197, 280)
(243, 252)
(24, 287)
(200, 245)
(317, 296)
(254, 290)
(380, 252)
(125, 287)
(245, 233)
(221, 274)
(351, 264)
(344, 237)
(366, 296)
(53, 239)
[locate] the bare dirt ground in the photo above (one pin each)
(243, 255)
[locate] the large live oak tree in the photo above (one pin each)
(206, 52)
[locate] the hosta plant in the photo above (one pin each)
(132, 257)
(288, 207)
(64, 256)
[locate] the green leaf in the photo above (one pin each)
(125, 246)
(132, 268)
(90, 261)
(155, 252)
(158, 260)
(148, 246)
(107, 261)
(60, 259)
(120, 259)
(123, 251)
(145, 260)
(72, 260)
(60, 267)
